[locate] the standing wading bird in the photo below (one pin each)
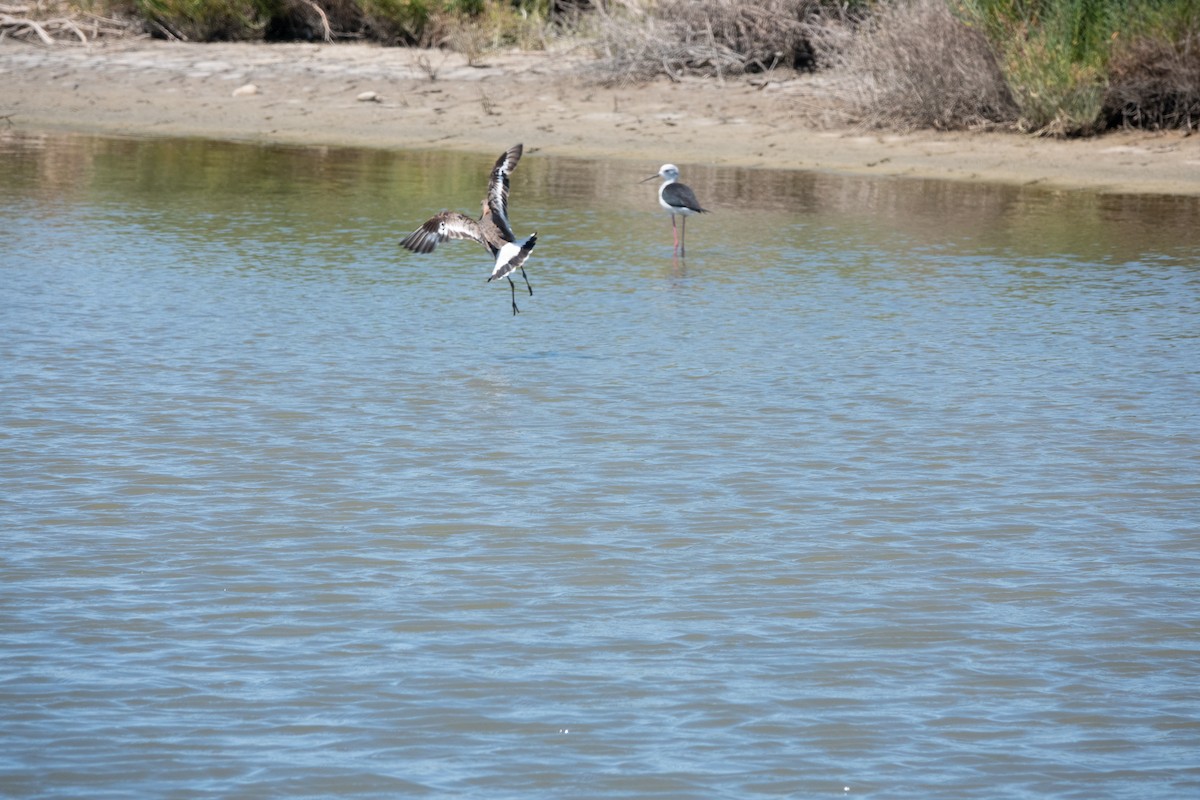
(676, 198)
(491, 229)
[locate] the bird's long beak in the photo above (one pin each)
(652, 177)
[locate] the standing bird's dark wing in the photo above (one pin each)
(680, 196)
(497, 196)
(445, 226)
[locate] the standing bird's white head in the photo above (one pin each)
(668, 172)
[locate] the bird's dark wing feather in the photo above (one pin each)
(682, 196)
(498, 188)
(445, 226)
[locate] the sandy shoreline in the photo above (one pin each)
(308, 94)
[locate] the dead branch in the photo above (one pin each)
(21, 22)
(326, 30)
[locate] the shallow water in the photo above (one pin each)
(890, 489)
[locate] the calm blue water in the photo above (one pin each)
(890, 490)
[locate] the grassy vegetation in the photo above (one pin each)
(1153, 68)
(1078, 66)
(1052, 58)
(1053, 67)
(1056, 67)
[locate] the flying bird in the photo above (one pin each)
(492, 229)
(676, 198)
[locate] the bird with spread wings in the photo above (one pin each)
(492, 229)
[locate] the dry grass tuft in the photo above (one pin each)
(711, 38)
(1155, 83)
(913, 64)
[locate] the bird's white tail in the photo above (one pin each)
(512, 256)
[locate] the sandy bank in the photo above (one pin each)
(308, 94)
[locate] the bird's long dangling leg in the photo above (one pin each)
(674, 232)
(682, 232)
(526, 277)
(514, 297)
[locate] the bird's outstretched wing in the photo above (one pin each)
(497, 196)
(445, 226)
(512, 256)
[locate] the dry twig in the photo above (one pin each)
(326, 30)
(26, 23)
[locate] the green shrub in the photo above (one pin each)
(207, 20)
(1078, 66)
(1053, 55)
(395, 21)
(1055, 92)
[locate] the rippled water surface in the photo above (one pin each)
(890, 490)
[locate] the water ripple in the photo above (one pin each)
(848, 504)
